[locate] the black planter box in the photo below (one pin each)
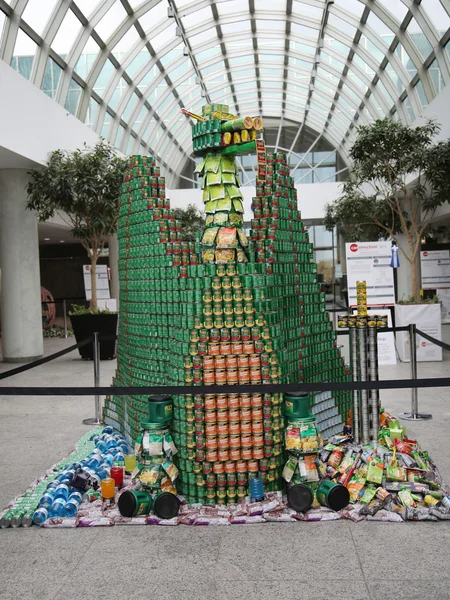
(85, 325)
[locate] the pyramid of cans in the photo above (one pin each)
(182, 322)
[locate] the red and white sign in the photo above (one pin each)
(102, 282)
(371, 262)
(435, 267)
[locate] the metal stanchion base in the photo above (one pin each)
(92, 421)
(415, 417)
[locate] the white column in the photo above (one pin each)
(113, 245)
(19, 263)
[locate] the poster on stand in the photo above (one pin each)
(385, 341)
(444, 297)
(371, 262)
(435, 268)
(427, 318)
(102, 278)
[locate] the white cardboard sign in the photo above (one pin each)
(102, 278)
(427, 318)
(435, 267)
(371, 262)
(385, 341)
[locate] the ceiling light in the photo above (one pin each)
(170, 12)
(198, 80)
(46, 239)
(178, 31)
(203, 93)
(185, 51)
(62, 241)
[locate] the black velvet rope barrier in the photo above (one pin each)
(433, 340)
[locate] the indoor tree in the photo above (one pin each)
(83, 187)
(398, 179)
(192, 221)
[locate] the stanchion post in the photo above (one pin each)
(97, 420)
(414, 415)
(65, 318)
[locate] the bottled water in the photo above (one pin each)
(62, 491)
(57, 508)
(46, 500)
(70, 509)
(40, 516)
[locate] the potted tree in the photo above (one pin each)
(83, 187)
(398, 179)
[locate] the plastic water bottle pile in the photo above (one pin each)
(60, 499)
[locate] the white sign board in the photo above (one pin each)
(102, 278)
(427, 318)
(444, 297)
(435, 266)
(371, 262)
(386, 341)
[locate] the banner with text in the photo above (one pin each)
(371, 262)
(435, 267)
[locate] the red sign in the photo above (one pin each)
(354, 247)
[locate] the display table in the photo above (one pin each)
(427, 318)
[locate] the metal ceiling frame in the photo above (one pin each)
(338, 127)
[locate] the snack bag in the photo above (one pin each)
(293, 440)
(170, 469)
(375, 472)
(395, 473)
(355, 488)
(368, 494)
(289, 469)
(406, 498)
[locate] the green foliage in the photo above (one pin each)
(80, 309)
(85, 185)
(192, 222)
(413, 300)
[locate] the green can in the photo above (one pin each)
(133, 503)
(297, 405)
(333, 495)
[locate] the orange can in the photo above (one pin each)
(208, 362)
(234, 428)
(246, 454)
(221, 401)
(210, 429)
(257, 414)
(246, 441)
(257, 427)
(235, 441)
(222, 429)
(242, 360)
(210, 416)
(248, 347)
(221, 376)
(234, 415)
(232, 376)
(220, 362)
(225, 348)
(235, 453)
(258, 439)
(252, 466)
(257, 400)
(244, 375)
(246, 414)
(236, 347)
(245, 401)
(246, 426)
(223, 442)
(209, 377)
(255, 375)
(254, 360)
(233, 401)
(230, 467)
(241, 466)
(223, 454)
(218, 467)
(231, 362)
(211, 456)
(214, 349)
(211, 442)
(258, 453)
(222, 416)
(210, 402)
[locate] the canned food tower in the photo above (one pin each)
(223, 310)
(364, 365)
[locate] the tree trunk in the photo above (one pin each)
(93, 303)
(414, 283)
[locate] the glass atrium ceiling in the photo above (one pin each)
(126, 67)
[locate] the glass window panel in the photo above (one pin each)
(126, 42)
(23, 56)
(436, 77)
(106, 125)
(342, 25)
(130, 107)
(322, 238)
(364, 66)
(304, 10)
(395, 78)
(204, 36)
(325, 264)
(106, 73)
(396, 8)
(130, 145)
(87, 7)
(406, 61)
(92, 112)
(437, 13)
(208, 54)
(153, 17)
(380, 28)
(87, 58)
(352, 6)
(275, 25)
(109, 23)
(73, 97)
(323, 173)
(138, 62)
(51, 78)
(421, 93)
(198, 16)
(229, 8)
(119, 136)
(303, 175)
(381, 87)
(337, 64)
(118, 93)
(302, 31)
(409, 109)
(337, 45)
(160, 41)
(303, 48)
(324, 157)
(67, 33)
(419, 38)
(37, 13)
